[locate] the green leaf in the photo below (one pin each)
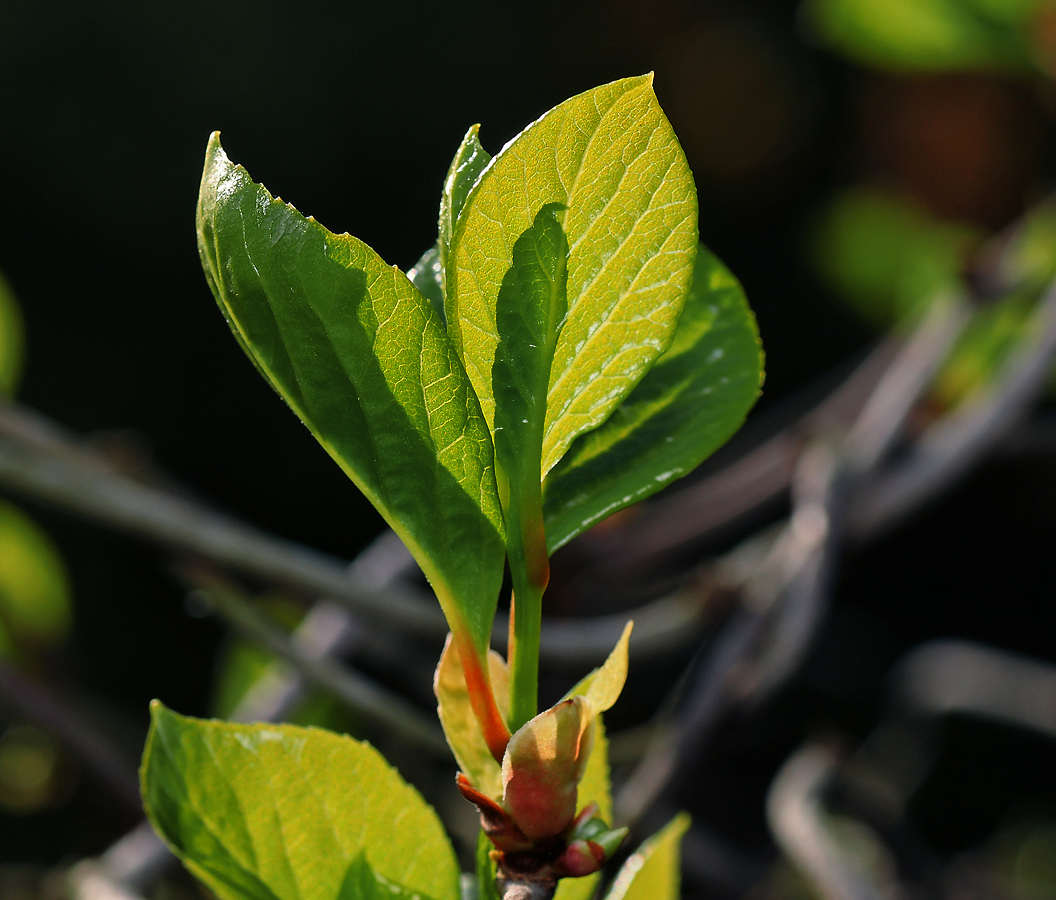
(654, 872)
(426, 275)
(12, 341)
(693, 399)
(922, 35)
(530, 309)
(362, 359)
(486, 869)
(35, 607)
(610, 157)
(470, 160)
(276, 812)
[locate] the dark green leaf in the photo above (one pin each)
(360, 356)
(486, 870)
(611, 158)
(689, 404)
(276, 812)
(530, 308)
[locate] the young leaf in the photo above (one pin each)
(461, 727)
(470, 160)
(360, 356)
(486, 869)
(695, 396)
(610, 157)
(594, 787)
(276, 812)
(654, 872)
(531, 305)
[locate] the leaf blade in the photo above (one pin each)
(654, 871)
(610, 156)
(277, 812)
(679, 413)
(358, 354)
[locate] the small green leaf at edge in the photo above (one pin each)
(360, 357)
(227, 797)
(693, 399)
(654, 871)
(426, 276)
(611, 158)
(12, 341)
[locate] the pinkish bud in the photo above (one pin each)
(580, 858)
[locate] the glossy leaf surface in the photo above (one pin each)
(363, 360)
(276, 812)
(470, 160)
(610, 157)
(654, 871)
(693, 399)
(427, 276)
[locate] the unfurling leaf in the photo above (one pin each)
(276, 812)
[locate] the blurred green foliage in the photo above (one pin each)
(931, 35)
(12, 337)
(887, 258)
(35, 608)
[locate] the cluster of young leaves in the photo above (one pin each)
(938, 35)
(563, 351)
(889, 259)
(35, 596)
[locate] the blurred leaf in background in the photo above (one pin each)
(35, 609)
(931, 35)
(885, 256)
(11, 340)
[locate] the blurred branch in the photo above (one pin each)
(358, 693)
(794, 812)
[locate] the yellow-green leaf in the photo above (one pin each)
(363, 360)
(277, 812)
(610, 157)
(654, 871)
(470, 160)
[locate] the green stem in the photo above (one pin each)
(530, 571)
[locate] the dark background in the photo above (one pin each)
(351, 111)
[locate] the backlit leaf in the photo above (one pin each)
(610, 157)
(693, 399)
(363, 360)
(276, 812)
(654, 871)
